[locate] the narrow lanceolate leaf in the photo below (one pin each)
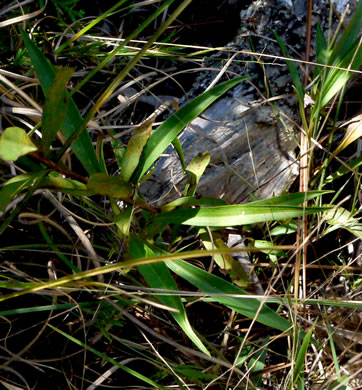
(114, 186)
(55, 107)
(158, 276)
(273, 209)
(173, 126)
(14, 143)
(82, 146)
(234, 215)
(134, 150)
(209, 283)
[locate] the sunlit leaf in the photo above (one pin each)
(134, 150)
(14, 143)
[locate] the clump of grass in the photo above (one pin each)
(102, 287)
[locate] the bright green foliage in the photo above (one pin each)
(14, 143)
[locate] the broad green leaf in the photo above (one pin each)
(273, 209)
(114, 186)
(134, 150)
(82, 146)
(195, 170)
(16, 185)
(55, 107)
(158, 276)
(209, 283)
(14, 143)
(234, 215)
(172, 127)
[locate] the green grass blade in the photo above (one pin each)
(82, 146)
(172, 127)
(107, 358)
(209, 283)
(159, 276)
(300, 358)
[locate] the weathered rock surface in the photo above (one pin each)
(250, 133)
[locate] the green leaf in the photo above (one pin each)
(82, 146)
(340, 218)
(172, 127)
(16, 185)
(191, 201)
(134, 150)
(209, 283)
(285, 228)
(14, 143)
(234, 215)
(65, 185)
(55, 107)
(158, 276)
(114, 186)
(195, 170)
(273, 209)
(107, 358)
(299, 364)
